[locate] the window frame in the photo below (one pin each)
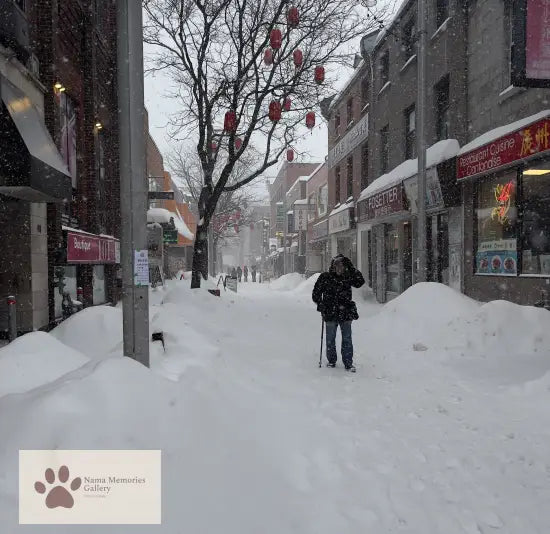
(384, 67)
(322, 213)
(408, 36)
(365, 92)
(349, 110)
(364, 166)
(443, 115)
(410, 135)
(384, 149)
(337, 185)
(441, 6)
(349, 176)
(337, 123)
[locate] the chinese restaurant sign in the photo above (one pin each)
(341, 221)
(86, 248)
(382, 204)
(531, 43)
(531, 140)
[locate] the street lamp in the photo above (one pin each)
(420, 136)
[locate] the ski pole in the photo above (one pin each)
(322, 336)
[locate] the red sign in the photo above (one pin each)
(88, 248)
(521, 144)
(382, 204)
(537, 42)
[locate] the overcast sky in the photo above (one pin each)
(313, 144)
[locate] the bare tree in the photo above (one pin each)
(233, 208)
(214, 51)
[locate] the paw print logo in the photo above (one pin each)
(58, 495)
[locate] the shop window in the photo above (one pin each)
(350, 177)
(364, 166)
(322, 201)
(99, 293)
(67, 138)
(384, 68)
(410, 133)
(535, 227)
(364, 92)
(441, 12)
(409, 39)
(337, 124)
(384, 149)
(337, 198)
(350, 110)
(392, 259)
(442, 106)
(496, 216)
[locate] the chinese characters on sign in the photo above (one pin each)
(340, 221)
(532, 139)
(300, 217)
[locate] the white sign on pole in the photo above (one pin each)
(141, 268)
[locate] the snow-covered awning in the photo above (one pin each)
(438, 153)
(163, 216)
(343, 207)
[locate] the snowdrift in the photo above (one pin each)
(33, 360)
(287, 282)
(306, 286)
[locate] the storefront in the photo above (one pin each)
(387, 232)
(91, 263)
(318, 249)
(506, 191)
(343, 235)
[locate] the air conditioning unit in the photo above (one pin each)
(34, 65)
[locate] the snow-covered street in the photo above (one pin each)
(443, 429)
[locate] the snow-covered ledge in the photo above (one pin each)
(408, 62)
(386, 86)
(441, 28)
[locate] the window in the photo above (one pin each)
(410, 133)
(441, 12)
(385, 68)
(364, 166)
(350, 177)
(67, 138)
(409, 39)
(101, 190)
(337, 124)
(507, 32)
(337, 186)
(384, 150)
(535, 225)
(322, 201)
(364, 92)
(392, 258)
(311, 207)
(350, 110)
(496, 217)
(21, 4)
(442, 105)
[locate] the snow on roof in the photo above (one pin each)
(161, 215)
(316, 170)
(441, 151)
(301, 201)
(502, 131)
(346, 205)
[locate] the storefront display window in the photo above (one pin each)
(535, 227)
(392, 259)
(496, 214)
(99, 285)
(65, 282)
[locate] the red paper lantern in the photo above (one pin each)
(310, 120)
(298, 57)
(238, 143)
(319, 74)
(287, 104)
(275, 111)
(293, 17)
(268, 56)
(276, 39)
(290, 155)
(230, 122)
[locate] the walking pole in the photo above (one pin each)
(322, 336)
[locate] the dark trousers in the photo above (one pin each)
(347, 344)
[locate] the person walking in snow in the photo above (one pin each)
(332, 294)
(239, 273)
(245, 273)
(253, 273)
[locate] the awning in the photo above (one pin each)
(164, 216)
(31, 167)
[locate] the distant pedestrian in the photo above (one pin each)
(332, 294)
(253, 273)
(245, 273)
(233, 273)
(239, 273)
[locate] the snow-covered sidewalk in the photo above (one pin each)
(444, 428)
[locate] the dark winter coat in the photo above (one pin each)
(332, 292)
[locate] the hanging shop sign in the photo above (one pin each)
(523, 143)
(300, 217)
(434, 195)
(349, 142)
(531, 43)
(89, 248)
(320, 230)
(386, 202)
(341, 221)
(280, 214)
(170, 237)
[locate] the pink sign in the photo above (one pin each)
(87, 248)
(537, 45)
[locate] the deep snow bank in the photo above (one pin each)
(33, 360)
(287, 282)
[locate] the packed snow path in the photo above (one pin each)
(430, 436)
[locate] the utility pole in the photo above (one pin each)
(133, 182)
(421, 142)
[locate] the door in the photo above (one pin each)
(379, 264)
(407, 255)
(392, 259)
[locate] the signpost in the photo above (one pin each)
(170, 237)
